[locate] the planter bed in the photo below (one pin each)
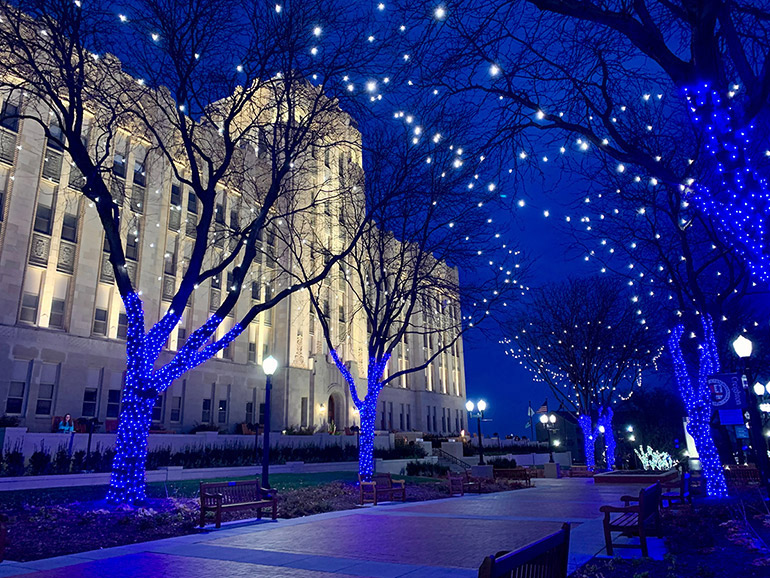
(634, 477)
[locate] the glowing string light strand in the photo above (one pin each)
(740, 199)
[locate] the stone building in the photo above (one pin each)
(62, 323)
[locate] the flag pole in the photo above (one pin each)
(531, 422)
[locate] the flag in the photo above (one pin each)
(529, 425)
(543, 408)
(530, 411)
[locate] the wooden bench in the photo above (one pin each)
(581, 472)
(546, 558)
(640, 519)
(380, 487)
(219, 496)
(680, 491)
(742, 477)
(517, 474)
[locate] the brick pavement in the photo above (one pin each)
(443, 538)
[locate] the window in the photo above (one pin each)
(252, 352)
(69, 228)
(206, 411)
(255, 290)
(408, 417)
(119, 166)
(268, 292)
(216, 281)
(140, 177)
(56, 140)
(427, 423)
(443, 419)
(176, 408)
(434, 419)
(219, 214)
(44, 215)
(222, 411)
(157, 409)
(9, 117)
(29, 304)
(58, 311)
(192, 203)
(113, 403)
(269, 317)
(89, 402)
(401, 418)
(390, 415)
(132, 245)
(249, 412)
(14, 404)
(176, 195)
(303, 412)
(100, 322)
(122, 325)
(169, 263)
(383, 424)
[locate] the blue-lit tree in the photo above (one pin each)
(585, 340)
(432, 265)
(224, 97)
(599, 88)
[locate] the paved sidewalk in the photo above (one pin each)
(441, 538)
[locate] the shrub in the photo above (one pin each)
(40, 462)
(502, 463)
(9, 421)
(400, 452)
(204, 427)
(426, 469)
(61, 461)
(13, 462)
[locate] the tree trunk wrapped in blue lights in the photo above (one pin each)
(697, 399)
(589, 439)
(605, 420)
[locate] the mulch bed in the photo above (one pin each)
(45, 528)
(716, 540)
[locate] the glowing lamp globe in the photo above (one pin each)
(543, 418)
(759, 389)
(552, 418)
(601, 429)
(556, 443)
(269, 365)
(482, 405)
(742, 347)
(469, 405)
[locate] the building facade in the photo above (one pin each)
(63, 327)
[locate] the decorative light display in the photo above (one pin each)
(740, 201)
(366, 407)
(654, 460)
(697, 399)
(605, 422)
(143, 385)
(589, 439)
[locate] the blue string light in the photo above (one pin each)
(589, 433)
(606, 416)
(697, 401)
(739, 197)
(366, 407)
(143, 385)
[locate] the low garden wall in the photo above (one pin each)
(18, 438)
(169, 474)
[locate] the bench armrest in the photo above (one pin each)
(372, 484)
(619, 509)
(401, 483)
(217, 497)
(269, 492)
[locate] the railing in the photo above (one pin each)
(442, 455)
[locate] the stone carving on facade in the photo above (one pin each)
(67, 252)
(38, 252)
(299, 358)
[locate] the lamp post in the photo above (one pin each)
(549, 422)
(481, 406)
(269, 365)
(743, 348)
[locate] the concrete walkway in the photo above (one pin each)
(442, 538)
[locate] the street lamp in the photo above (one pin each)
(743, 348)
(481, 405)
(269, 365)
(549, 422)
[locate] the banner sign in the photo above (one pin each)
(727, 397)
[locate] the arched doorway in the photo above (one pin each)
(332, 412)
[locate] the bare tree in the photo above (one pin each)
(227, 101)
(659, 105)
(585, 339)
(430, 266)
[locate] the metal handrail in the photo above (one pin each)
(447, 456)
